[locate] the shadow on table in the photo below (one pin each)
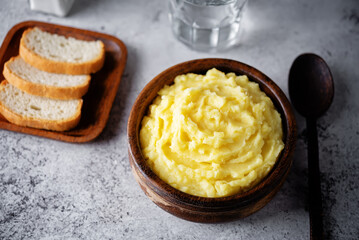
(82, 5)
(117, 122)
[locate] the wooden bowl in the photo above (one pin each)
(201, 209)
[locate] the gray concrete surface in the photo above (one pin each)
(56, 190)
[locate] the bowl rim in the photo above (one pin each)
(279, 170)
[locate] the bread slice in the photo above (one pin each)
(28, 110)
(52, 85)
(58, 54)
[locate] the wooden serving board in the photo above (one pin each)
(98, 100)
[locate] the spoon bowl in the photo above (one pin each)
(311, 87)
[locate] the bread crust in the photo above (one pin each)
(52, 66)
(54, 125)
(63, 93)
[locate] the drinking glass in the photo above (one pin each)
(207, 25)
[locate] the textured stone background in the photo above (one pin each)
(56, 190)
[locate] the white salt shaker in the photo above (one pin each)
(57, 7)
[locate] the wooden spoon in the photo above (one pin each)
(311, 91)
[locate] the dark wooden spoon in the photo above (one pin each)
(311, 91)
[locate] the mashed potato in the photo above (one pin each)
(211, 136)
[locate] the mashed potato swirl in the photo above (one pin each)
(211, 135)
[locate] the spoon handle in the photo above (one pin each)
(315, 195)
